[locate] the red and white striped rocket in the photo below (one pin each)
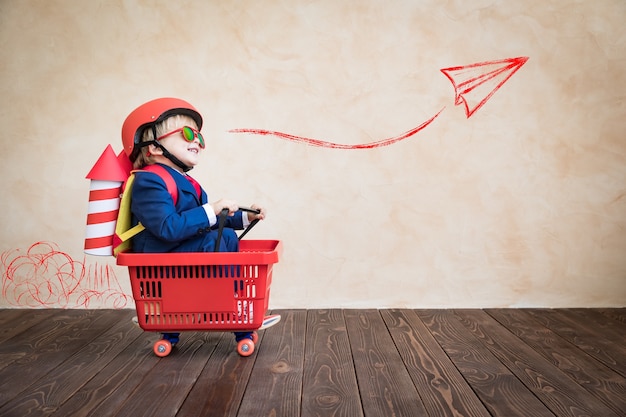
(107, 177)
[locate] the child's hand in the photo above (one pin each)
(219, 205)
(255, 216)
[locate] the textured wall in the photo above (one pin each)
(520, 204)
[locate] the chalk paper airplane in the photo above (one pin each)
(474, 84)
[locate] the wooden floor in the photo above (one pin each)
(502, 362)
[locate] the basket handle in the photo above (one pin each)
(222, 219)
(252, 223)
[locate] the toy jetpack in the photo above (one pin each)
(109, 218)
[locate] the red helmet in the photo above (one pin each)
(149, 114)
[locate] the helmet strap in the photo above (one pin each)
(172, 158)
(166, 153)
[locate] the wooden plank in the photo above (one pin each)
(20, 323)
(612, 330)
(110, 388)
(618, 314)
(53, 389)
(48, 346)
(562, 395)
(501, 392)
(222, 383)
(384, 383)
(166, 385)
(596, 378)
(586, 336)
(17, 321)
(275, 387)
(442, 388)
(330, 386)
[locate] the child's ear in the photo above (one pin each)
(155, 150)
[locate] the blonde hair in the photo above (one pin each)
(144, 157)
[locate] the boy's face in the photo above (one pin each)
(178, 146)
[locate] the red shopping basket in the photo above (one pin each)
(223, 291)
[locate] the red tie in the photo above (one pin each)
(195, 185)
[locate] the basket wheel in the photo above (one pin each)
(245, 347)
(162, 348)
(255, 337)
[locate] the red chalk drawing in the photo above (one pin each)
(474, 85)
(44, 276)
(325, 144)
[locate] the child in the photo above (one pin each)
(166, 131)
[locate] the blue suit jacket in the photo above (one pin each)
(183, 227)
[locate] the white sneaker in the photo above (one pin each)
(269, 321)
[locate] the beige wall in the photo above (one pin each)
(521, 204)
